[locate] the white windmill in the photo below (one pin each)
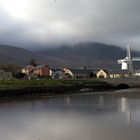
(127, 62)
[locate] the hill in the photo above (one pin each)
(93, 55)
(15, 55)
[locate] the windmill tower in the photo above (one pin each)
(127, 62)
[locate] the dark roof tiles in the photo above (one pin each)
(82, 71)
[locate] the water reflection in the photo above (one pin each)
(101, 100)
(130, 106)
(67, 100)
(80, 117)
(126, 108)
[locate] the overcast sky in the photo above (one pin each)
(28, 23)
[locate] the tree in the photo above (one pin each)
(10, 67)
(92, 75)
(19, 75)
(33, 62)
(14, 68)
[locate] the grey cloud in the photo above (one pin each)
(70, 21)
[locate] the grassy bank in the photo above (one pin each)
(19, 84)
(50, 87)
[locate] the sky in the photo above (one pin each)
(47, 23)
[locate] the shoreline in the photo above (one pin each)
(53, 90)
(62, 91)
(50, 88)
(111, 93)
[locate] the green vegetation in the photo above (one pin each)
(14, 68)
(33, 62)
(16, 84)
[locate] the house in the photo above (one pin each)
(79, 73)
(137, 73)
(28, 69)
(57, 73)
(42, 70)
(112, 73)
(102, 73)
(34, 72)
(118, 73)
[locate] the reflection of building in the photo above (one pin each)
(126, 107)
(67, 100)
(101, 101)
(124, 104)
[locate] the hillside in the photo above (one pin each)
(11, 54)
(93, 55)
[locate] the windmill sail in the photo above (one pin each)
(127, 62)
(136, 59)
(128, 52)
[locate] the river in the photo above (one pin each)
(113, 115)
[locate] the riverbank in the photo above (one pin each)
(50, 87)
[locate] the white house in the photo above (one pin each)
(137, 73)
(28, 69)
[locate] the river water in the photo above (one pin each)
(90, 116)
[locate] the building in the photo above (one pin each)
(137, 73)
(42, 70)
(102, 74)
(119, 73)
(35, 72)
(57, 74)
(112, 73)
(80, 73)
(28, 69)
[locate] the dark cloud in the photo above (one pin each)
(26, 22)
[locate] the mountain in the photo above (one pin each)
(15, 55)
(92, 55)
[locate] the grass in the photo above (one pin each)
(16, 84)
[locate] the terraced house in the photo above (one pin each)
(42, 70)
(80, 73)
(39, 70)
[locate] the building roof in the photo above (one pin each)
(106, 71)
(119, 71)
(28, 66)
(137, 71)
(82, 71)
(56, 69)
(40, 66)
